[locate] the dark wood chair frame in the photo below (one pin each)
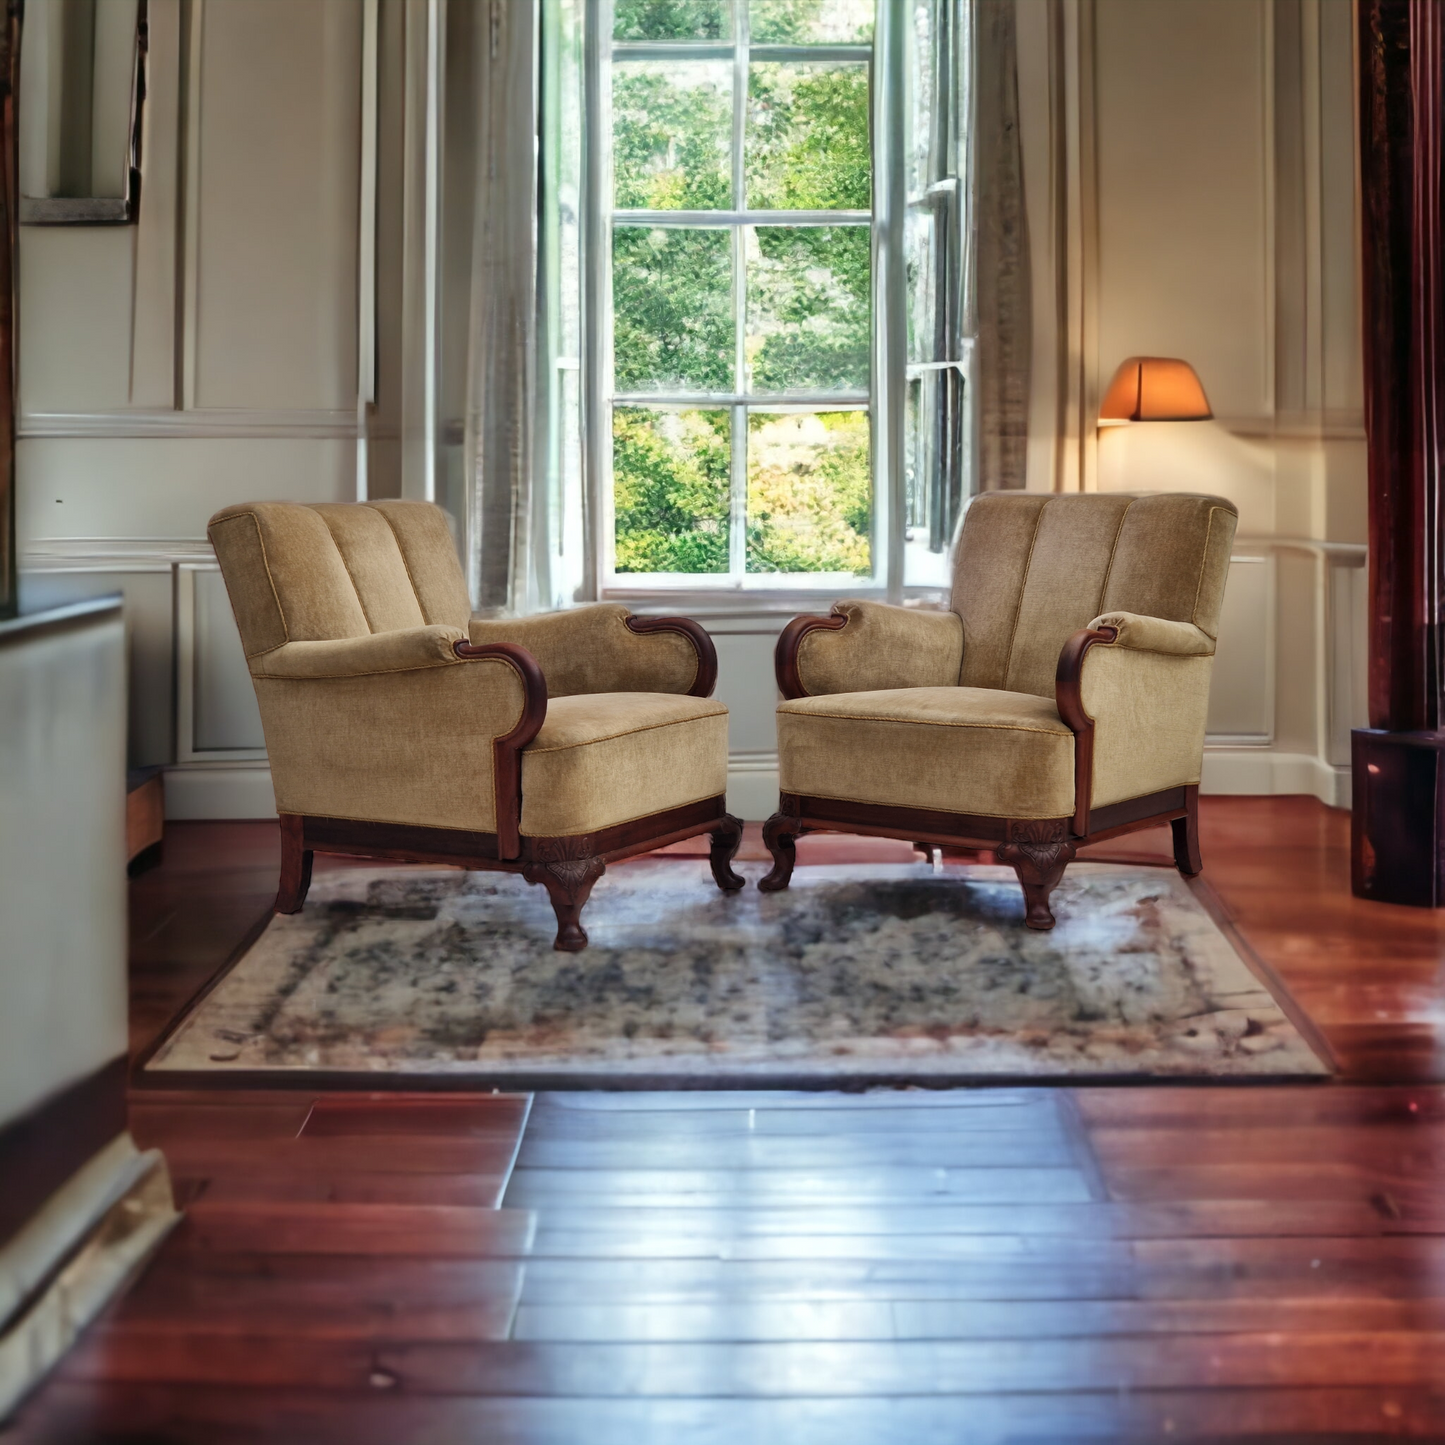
(1037, 849)
(567, 867)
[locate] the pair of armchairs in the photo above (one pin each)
(1060, 700)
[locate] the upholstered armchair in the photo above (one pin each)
(400, 727)
(1060, 700)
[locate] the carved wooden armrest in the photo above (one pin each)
(1069, 699)
(785, 655)
(507, 747)
(702, 645)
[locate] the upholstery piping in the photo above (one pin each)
(266, 563)
(1199, 585)
(618, 824)
(943, 812)
(351, 577)
(1113, 552)
(1062, 731)
(372, 672)
(627, 733)
(1008, 660)
(396, 537)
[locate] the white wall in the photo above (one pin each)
(206, 355)
(1191, 193)
(1191, 167)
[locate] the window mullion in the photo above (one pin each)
(738, 499)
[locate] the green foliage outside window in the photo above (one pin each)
(670, 490)
(671, 133)
(808, 308)
(810, 492)
(672, 317)
(804, 22)
(808, 288)
(807, 139)
(671, 19)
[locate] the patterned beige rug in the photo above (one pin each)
(857, 975)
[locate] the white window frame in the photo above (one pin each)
(882, 401)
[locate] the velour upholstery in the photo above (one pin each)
(955, 749)
(592, 650)
(608, 758)
(399, 745)
(882, 647)
(348, 613)
(1030, 570)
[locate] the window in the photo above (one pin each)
(755, 351)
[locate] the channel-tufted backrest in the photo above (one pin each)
(342, 569)
(1031, 569)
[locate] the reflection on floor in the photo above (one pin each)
(1132, 1264)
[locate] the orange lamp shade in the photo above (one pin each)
(1155, 388)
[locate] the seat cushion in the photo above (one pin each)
(603, 758)
(954, 749)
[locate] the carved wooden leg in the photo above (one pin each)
(568, 882)
(780, 833)
(1186, 836)
(727, 837)
(1038, 851)
(295, 866)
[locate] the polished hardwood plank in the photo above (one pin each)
(385, 1415)
(1131, 1264)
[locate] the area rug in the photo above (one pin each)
(856, 975)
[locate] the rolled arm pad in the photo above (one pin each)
(605, 648)
(869, 646)
(1156, 634)
(1135, 690)
(406, 650)
(415, 745)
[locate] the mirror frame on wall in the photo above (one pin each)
(88, 210)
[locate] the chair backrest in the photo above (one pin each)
(1031, 569)
(343, 569)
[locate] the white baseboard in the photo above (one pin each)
(243, 790)
(1259, 772)
(220, 790)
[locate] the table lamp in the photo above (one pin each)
(1155, 388)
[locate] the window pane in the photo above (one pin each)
(936, 448)
(670, 473)
(672, 20)
(810, 492)
(808, 307)
(672, 134)
(803, 22)
(925, 340)
(672, 309)
(807, 137)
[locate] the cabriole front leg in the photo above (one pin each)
(1038, 852)
(1187, 857)
(568, 880)
(295, 865)
(780, 833)
(726, 838)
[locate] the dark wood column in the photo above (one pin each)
(1399, 760)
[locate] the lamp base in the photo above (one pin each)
(1397, 833)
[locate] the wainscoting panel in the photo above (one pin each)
(1241, 697)
(224, 718)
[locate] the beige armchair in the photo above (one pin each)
(1060, 700)
(399, 727)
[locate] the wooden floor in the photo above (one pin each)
(990, 1265)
